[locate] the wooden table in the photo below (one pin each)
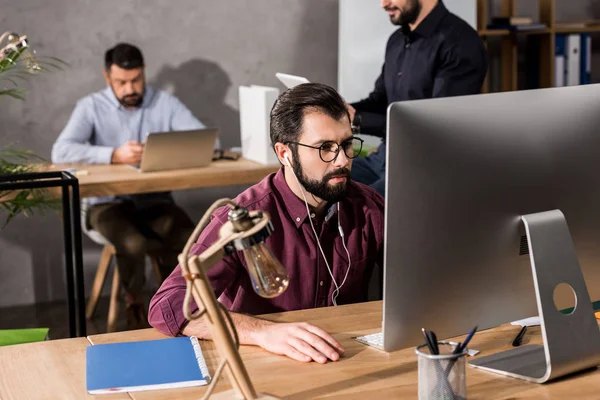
(45, 370)
(114, 179)
(363, 372)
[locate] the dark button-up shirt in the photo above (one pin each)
(293, 243)
(442, 57)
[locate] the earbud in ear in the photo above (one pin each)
(287, 160)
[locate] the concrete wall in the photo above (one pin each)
(200, 50)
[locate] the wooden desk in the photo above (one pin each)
(365, 372)
(45, 370)
(114, 179)
(58, 368)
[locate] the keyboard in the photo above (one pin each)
(374, 339)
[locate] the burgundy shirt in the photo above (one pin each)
(293, 243)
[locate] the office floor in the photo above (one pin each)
(54, 316)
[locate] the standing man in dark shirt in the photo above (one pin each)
(433, 54)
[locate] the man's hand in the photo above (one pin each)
(351, 111)
(129, 153)
(299, 341)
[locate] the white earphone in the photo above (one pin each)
(337, 289)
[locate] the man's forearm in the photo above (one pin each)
(65, 152)
(297, 340)
(245, 325)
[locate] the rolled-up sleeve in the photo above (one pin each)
(73, 144)
(166, 307)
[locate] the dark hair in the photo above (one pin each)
(289, 109)
(124, 55)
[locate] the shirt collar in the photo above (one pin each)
(427, 27)
(295, 207)
(148, 95)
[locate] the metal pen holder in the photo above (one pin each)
(442, 376)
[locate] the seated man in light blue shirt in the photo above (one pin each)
(110, 127)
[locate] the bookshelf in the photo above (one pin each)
(508, 49)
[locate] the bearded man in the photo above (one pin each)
(110, 127)
(328, 233)
(433, 54)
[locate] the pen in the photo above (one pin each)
(457, 349)
(428, 341)
(460, 348)
(468, 339)
(434, 342)
(519, 337)
(431, 340)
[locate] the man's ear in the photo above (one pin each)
(282, 151)
(106, 76)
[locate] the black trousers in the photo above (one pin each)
(370, 170)
(160, 230)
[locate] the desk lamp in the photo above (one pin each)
(244, 231)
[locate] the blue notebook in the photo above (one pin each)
(145, 365)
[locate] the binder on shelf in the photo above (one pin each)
(532, 62)
(518, 28)
(559, 60)
(586, 59)
(512, 20)
(573, 59)
(255, 106)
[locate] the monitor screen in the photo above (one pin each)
(460, 173)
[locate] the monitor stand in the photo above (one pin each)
(571, 341)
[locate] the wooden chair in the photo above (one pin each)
(108, 253)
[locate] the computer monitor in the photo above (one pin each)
(460, 173)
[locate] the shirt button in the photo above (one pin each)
(321, 283)
(399, 73)
(312, 215)
(298, 219)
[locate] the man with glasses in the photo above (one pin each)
(328, 232)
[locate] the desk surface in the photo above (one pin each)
(362, 372)
(53, 369)
(115, 179)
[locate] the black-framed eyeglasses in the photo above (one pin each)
(329, 150)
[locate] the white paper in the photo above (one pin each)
(255, 105)
(531, 321)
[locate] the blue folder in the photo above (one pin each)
(146, 365)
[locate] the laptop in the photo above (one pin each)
(165, 151)
(291, 80)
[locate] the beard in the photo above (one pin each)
(132, 100)
(322, 189)
(408, 14)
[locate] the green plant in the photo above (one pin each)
(26, 201)
(17, 64)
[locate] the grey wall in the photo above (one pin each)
(200, 50)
